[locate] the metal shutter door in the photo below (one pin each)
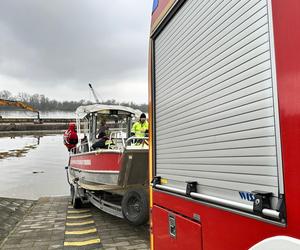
(216, 117)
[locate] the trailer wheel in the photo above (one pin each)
(76, 201)
(135, 207)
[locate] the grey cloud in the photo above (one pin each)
(74, 40)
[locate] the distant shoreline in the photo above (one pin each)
(12, 125)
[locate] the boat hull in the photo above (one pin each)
(96, 167)
(97, 177)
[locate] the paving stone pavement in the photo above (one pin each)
(42, 228)
(117, 234)
(45, 224)
(11, 212)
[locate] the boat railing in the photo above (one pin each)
(81, 148)
(141, 142)
(73, 151)
(117, 139)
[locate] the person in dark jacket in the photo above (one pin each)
(102, 130)
(101, 136)
(70, 136)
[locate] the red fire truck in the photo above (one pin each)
(225, 112)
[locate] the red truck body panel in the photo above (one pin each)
(188, 235)
(221, 229)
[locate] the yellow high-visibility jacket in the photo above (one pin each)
(139, 128)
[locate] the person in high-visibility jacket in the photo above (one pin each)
(140, 128)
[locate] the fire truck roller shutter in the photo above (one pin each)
(216, 110)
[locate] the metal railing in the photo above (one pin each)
(134, 140)
(219, 201)
(80, 148)
(114, 137)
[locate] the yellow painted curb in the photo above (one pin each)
(78, 211)
(80, 223)
(79, 216)
(81, 243)
(88, 231)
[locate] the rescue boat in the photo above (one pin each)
(118, 169)
(94, 165)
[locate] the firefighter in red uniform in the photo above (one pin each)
(70, 136)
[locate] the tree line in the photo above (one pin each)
(43, 103)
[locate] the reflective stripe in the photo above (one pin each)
(88, 231)
(81, 243)
(79, 216)
(79, 223)
(78, 211)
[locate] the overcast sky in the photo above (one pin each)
(57, 47)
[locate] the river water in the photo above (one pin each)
(32, 166)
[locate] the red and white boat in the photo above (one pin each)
(118, 171)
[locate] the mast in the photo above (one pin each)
(94, 94)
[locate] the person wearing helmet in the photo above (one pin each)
(140, 128)
(70, 136)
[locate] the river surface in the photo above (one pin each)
(32, 166)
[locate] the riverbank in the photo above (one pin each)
(30, 124)
(21, 127)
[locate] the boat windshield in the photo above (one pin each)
(114, 123)
(111, 127)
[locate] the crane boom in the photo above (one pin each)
(94, 94)
(19, 104)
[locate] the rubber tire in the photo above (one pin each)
(140, 197)
(76, 201)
